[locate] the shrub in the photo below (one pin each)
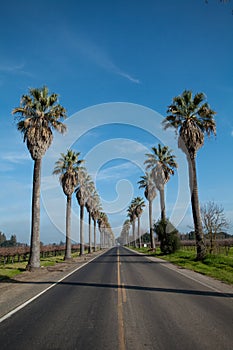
(168, 236)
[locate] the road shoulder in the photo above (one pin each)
(27, 285)
(206, 281)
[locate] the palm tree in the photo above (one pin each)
(81, 195)
(68, 167)
(162, 164)
(125, 232)
(110, 236)
(138, 203)
(96, 208)
(37, 117)
(148, 184)
(102, 224)
(132, 217)
(192, 118)
(90, 187)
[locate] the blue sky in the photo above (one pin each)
(116, 67)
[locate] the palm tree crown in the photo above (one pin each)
(148, 184)
(162, 164)
(38, 115)
(138, 204)
(68, 167)
(192, 117)
(131, 212)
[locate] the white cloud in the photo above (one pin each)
(14, 68)
(99, 56)
(11, 67)
(127, 76)
(116, 172)
(127, 146)
(15, 157)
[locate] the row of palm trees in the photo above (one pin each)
(192, 118)
(135, 211)
(37, 116)
(162, 164)
(40, 113)
(74, 178)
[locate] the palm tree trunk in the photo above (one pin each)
(201, 249)
(34, 256)
(103, 238)
(68, 221)
(162, 204)
(139, 237)
(134, 236)
(152, 241)
(89, 232)
(94, 235)
(81, 230)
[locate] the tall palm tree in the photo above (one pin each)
(102, 224)
(81, 195)
(110, 236)
(148, 184)
(38, 115)
(68, 167)
(192, 118)
(125, 232)
(139, 204)
(162, 164)
(90, 188)
(96, 208)
(132, 217)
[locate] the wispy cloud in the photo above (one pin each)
(100, 57)
(14, 157)
(232, 133)
(14, 68)
(129, 77)
(11, 67)
(116, 172)
(130, 146)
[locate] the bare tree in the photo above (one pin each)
(214, 221)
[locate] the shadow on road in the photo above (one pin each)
(129, 287)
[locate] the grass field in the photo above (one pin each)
(218, 266)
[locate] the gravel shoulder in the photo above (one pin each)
(27, 285)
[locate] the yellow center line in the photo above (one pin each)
(123, 293)
(120, 299)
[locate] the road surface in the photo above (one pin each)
(123, 301)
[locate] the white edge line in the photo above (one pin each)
(173, 268)
(9, 314)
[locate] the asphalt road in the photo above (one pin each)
(123, 301)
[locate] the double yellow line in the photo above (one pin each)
(121, 298)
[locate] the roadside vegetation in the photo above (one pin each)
(219, 266)
(10, 270)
